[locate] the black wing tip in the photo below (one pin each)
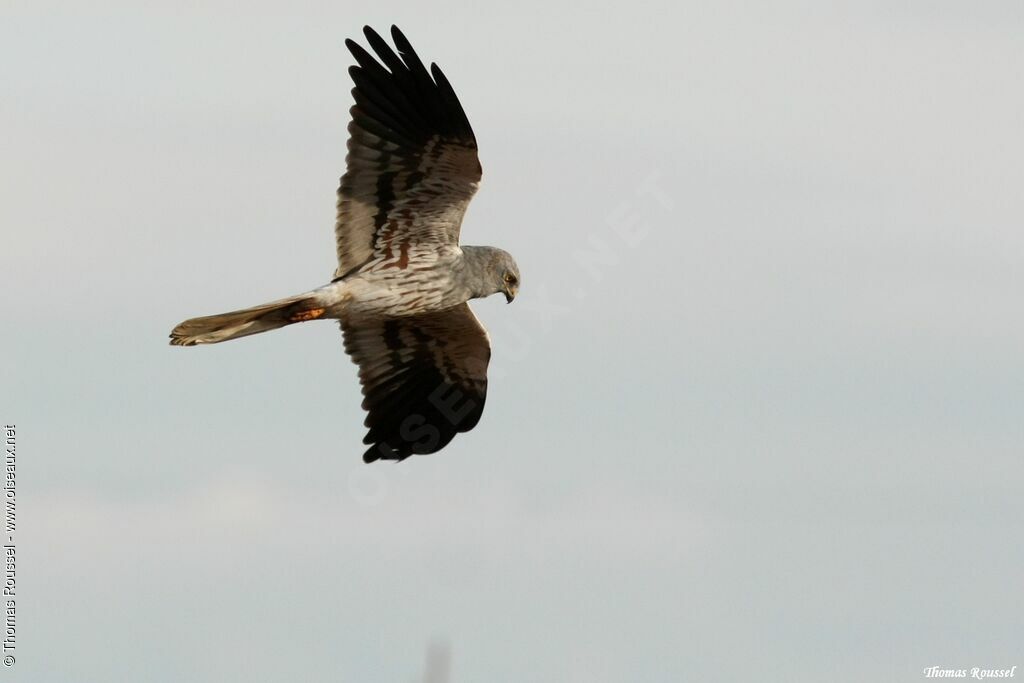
(396, 35)
(373, 454)
(384, 451)
(387, 442)
(371, 34)
(419, 101)
(405, 47)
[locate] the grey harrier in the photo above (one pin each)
(403, 281)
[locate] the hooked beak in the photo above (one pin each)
(510, 294)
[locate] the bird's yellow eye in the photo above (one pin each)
(510, 278)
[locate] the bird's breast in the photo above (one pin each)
(387, 292)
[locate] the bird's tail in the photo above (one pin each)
(211, 329)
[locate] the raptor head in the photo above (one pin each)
(488, 270)
(507, 270)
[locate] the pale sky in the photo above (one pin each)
(756, 414)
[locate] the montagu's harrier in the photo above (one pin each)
(403, 281)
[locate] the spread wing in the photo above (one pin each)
(424, 379)
(412, 163)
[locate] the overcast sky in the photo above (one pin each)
(757, 413)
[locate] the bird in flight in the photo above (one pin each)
(403, 281)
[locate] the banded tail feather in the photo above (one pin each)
(212, 329)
